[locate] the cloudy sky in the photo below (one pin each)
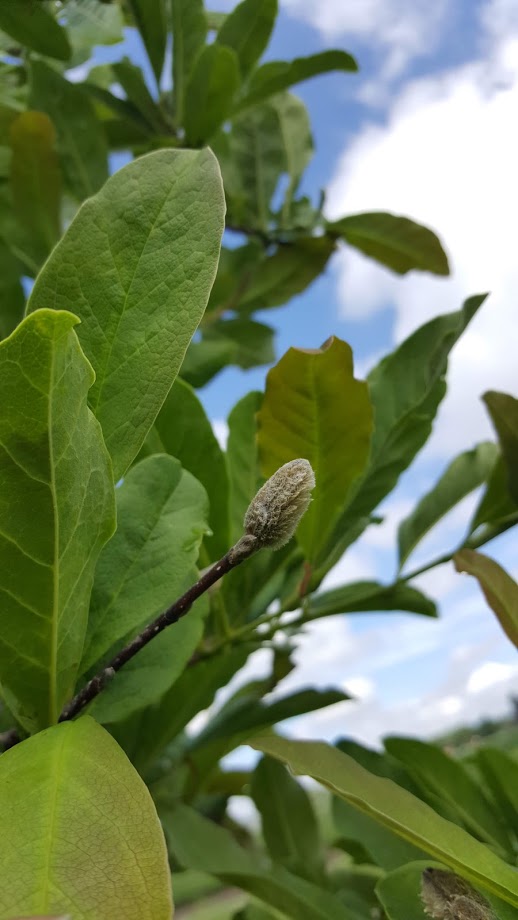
(428, 128)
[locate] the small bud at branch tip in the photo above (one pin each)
(275, 512)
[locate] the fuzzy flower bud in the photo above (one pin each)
(274, 513)
(445, 896)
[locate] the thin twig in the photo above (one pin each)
(241, 551)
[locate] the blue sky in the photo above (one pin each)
(428, 129)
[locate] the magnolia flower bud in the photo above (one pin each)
(273, 515)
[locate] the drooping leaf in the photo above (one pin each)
(29, 23)
(366, 596)
(435, 772)
(140, 258)
(85, 823)
(247, 31)
(500, 590)
(151, 20)
(398, 810)
(134, 85)
(315, 408)
(468, 471)
(189, 21)
(289, 823)
(406, 389)
(276, 76)
(57, 510)
(192, 692)
(80, 140)
(161, 519)
(240, 342)
(183, 430)
(145, 679)
(199, 844)
(36, 182)
(242, 458)
(286, 273)
(209, 93)
(503, 410)
(397, 242)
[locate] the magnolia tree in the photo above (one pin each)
(142, 565)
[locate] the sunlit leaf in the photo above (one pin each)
(151, 20)
(276, 76)
(397, 242)
(247, 31)
(209, 93)
(500, 590)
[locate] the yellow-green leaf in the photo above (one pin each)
(500, 590)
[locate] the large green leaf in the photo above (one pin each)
(468, 471)
(276, 76)
(503, 410)
(242, 458)
(286, 273)
(189, 22)
(247, 31)
(397, 242)
(85, 823)
(289, 823)
(145, 679)
(500, 590)
(385, 848)
(496, 505)
(161, 514)
(406, 389)
(137, 263)
(398, 810)
(240, 342)
(56, 511)
(183, 430)
(315, 408)
(209, 93)
(28, 22)
(366, 596)
(81, 141)
(151, 20)
(447, 778)
(199, 844)
(192, 692)
(12, 299)
(35, 183)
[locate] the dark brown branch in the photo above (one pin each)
(243, 548)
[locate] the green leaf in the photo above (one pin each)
(85, 823)
(295, 127)
(161, 519)
(134, 85)
(499, 775)
(289, 823)
(189, 21)
(247, 30)
(439, 774)
(496, 505)
(406, 389)
(210, 92)
(240, 342)
(36, 182)
(199, 844)
(468, 471)
(500, 590)
(183, 430)
(145, 679)
(398, 810)
(384, 847)
(29, 23)
(56, 512)
(81, 142)
(367, 596)
(315, 408)
(12, 299)
(151, 20)
(276, 76)
(140, 259)
(235, 270)
(92, 22)
(397, 242)
(286, 273)
(242, 458)
(192, 692)
(503, 410)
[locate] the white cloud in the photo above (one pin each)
(447, 157)
(402, 29)
(489, 673)
(220, 429)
